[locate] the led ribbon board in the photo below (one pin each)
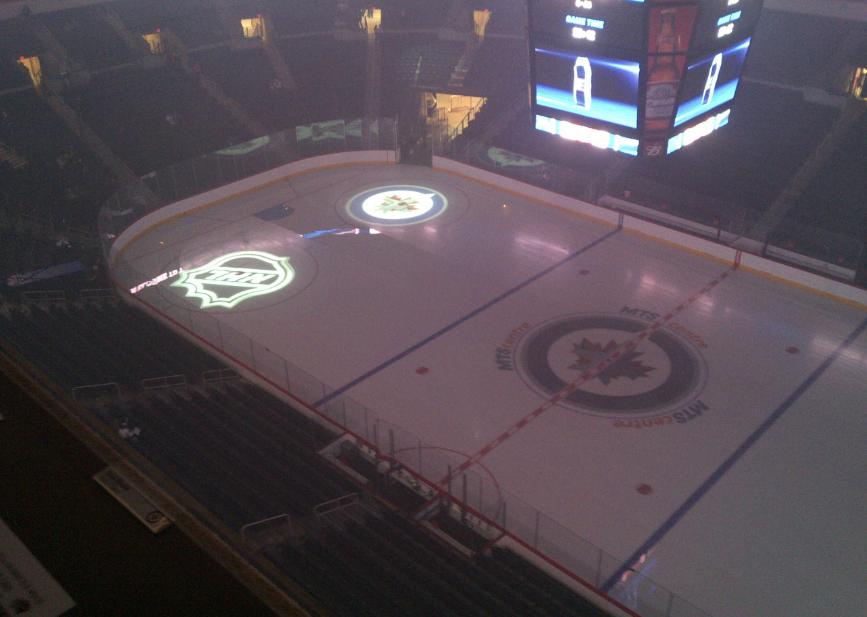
(229, 280)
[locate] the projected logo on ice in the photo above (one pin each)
(397, 205)
(657, 383)
(229, 280)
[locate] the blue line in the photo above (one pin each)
(461, 320)
(717, 475)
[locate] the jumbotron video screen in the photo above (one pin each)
(633, 75)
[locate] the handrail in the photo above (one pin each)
(248, 526)
(465, 121)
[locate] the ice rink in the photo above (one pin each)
(705, 425)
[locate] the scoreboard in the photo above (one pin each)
(643, 77)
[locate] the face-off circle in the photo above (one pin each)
(664, 373)
(400, 204)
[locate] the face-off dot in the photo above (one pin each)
(422, 370)
(644, 489)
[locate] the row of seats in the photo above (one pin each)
(341, 93)
(828, 221)
(247, 77)
(195, 22)
(386, 565)
(104, 342)
(55, 178)
(786, 43)
(409, 59)
(767, 124)
(242, 457)
(12, 74)
(301, 16)
(246, 456)
(835, 198)
(16, 40)
(152, 118)
(413, 14)
(87, 37)
(498, 65)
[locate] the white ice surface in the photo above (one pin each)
(784, 533)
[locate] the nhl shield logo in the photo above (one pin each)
(229, 280)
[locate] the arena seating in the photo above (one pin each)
(507, 18)
(387, 565)
(786, 43)
(57, 179)
(195, 23)
(768, 124)
(156, 117)
(413, 14)
(12, 75)
(419, 60)
(244, 454)
(301, 16)
(339, 96)
(100, 342)
(349, 66)
(87, 37)
(16, 40)
(245, 459)
(144, 17)
(499, 65)
(829, 220)
(247, 77)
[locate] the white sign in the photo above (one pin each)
(26, 587)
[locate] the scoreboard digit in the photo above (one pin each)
(724, 21)
(616, 23)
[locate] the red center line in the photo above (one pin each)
(584, 377)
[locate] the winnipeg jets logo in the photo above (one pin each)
(664, 374)
(628, 365)
(231, 279)
(396, 205)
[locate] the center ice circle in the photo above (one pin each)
(663, 372)
(396, 205)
